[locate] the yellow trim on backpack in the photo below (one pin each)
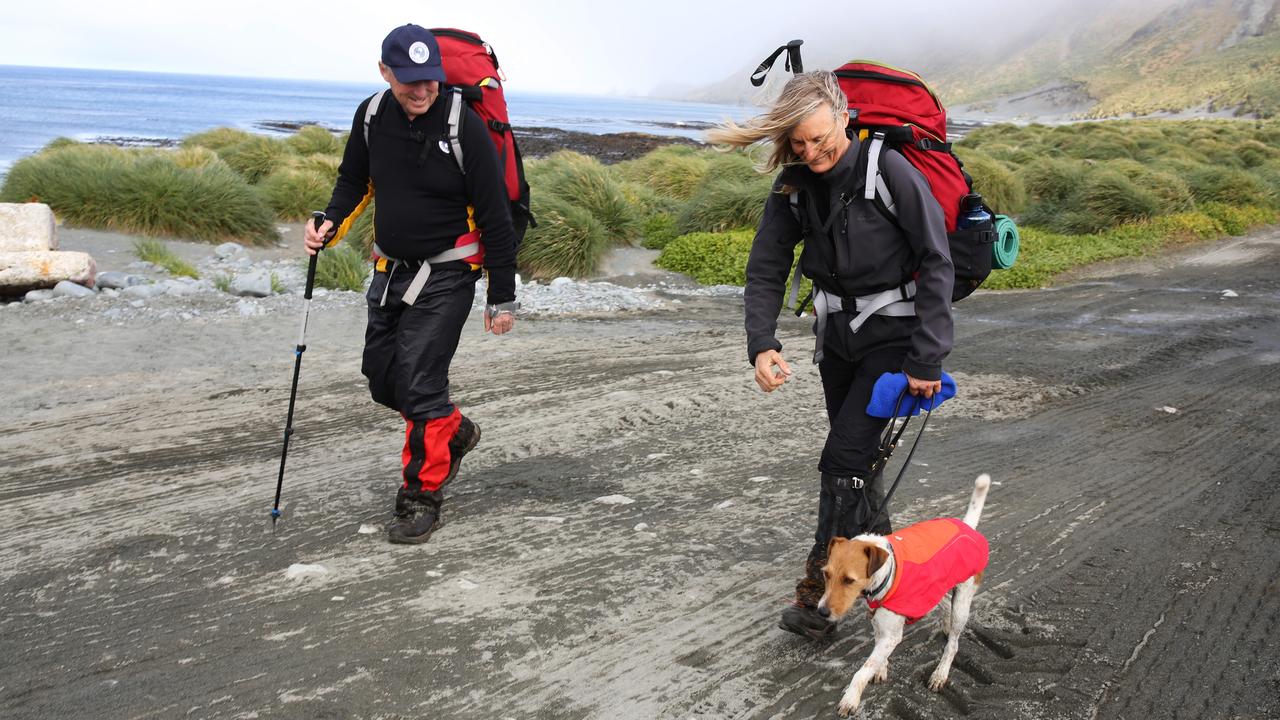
(471, 218)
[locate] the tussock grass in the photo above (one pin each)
(659, 230)
(674, 171)
(569, 241)
(724, 204)
(158, 254)
(256, 157)
(340, 268)
(586, 183)
(314, 140)
(1002, 190)
(217, 139)
(149, 192)
(293, 193)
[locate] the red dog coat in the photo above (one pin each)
(932, 557)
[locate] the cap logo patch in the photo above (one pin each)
(419, 52)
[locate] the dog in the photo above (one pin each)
(903, 576)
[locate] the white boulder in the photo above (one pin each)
(27, 227)
(23, 271)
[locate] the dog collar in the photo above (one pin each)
(877, 592)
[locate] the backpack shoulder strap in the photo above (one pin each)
(375, 104)
(456, 105)
(875, 184)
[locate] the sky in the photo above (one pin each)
(584, 47)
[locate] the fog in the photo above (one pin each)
(577, 46)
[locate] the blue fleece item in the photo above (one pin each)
(887, 390)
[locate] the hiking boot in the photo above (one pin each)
(806, 622)
(417, 516)
(463, 441)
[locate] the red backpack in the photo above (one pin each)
(892, 108)
(472, 70)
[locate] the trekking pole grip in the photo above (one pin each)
(317, 218)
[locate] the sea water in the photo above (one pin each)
(40, 104)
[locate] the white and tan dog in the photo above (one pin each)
(903, 575)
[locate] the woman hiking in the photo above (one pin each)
(852, 251)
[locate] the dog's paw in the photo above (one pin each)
(848, 706)
(938, 681)
(882, 674)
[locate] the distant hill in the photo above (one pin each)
(1095, 59)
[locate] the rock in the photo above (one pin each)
(303, 571)
(254, 284)
(614, 500)
(228, 250)
(248, 308)
(23, 271)
(140, 291)
(178, 288)
(561, 283)
(118, 280)
(27, 227)
(37, 296)
(66, 288)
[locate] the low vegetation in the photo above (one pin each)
(1081, 193)
(159, 254)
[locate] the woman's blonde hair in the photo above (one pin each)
(800, 97)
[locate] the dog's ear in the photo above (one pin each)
(831, 544)
(876, 559)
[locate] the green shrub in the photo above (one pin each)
(717, 258)
(1238, 220)
(1002, 190)
(142, 191)
(710, 258)
(293, 194)
(725, 204)
(159, 254)
(339, 268)
(734, 165)
(659, 230)
(313, 140)
(568, 241)
(586, 183)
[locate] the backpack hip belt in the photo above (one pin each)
(424, 271)
(896, 302)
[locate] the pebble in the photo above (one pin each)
(303, 571)
(66, 288)
(614, 500)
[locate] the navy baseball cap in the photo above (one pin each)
(412, 54)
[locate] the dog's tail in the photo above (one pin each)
(980, 487)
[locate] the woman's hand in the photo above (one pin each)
(768, 377)
(923, 388)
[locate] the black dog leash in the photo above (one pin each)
(889, 443)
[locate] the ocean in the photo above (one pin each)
(40, 104)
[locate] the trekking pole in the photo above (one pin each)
(318, 219)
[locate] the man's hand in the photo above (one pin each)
(771, 370)
(923, 388)
(500, 323)
(314, 239)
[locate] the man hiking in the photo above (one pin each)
(430, 219)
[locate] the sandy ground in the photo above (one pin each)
(620, 544)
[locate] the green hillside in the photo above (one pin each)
(1203, 56)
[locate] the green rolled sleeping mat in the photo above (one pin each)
(1005, 249)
